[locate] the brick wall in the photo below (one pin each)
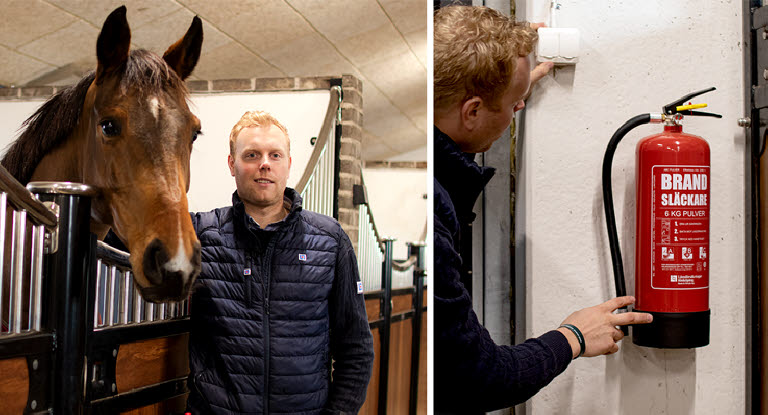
(350, 153)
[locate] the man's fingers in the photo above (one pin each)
(618, 302)
(617, 335)
(613, 349)
(537, 25)
(540, 71)
(622, 319)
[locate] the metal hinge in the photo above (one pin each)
(51, 243)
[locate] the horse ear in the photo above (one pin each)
(113, 44)
(182, 56)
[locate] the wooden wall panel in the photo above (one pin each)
(399, 382)
(402, 303)
(14, 385)
(371, 405)
(152, 361)
(373, 308)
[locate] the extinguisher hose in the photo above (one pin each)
(610, 218)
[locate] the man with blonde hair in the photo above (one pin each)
(482, 76)
(279, 297)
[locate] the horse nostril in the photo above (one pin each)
(155, 255)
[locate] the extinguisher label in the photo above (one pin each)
(680, 234)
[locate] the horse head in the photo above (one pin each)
(133, 142)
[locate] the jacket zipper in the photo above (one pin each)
(266, 276)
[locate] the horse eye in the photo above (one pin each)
(195, 134)
(110, 128)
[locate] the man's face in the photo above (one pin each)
(260, 165)
(493, 121)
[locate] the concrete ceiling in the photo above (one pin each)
(383, 42)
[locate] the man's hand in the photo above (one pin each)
(542, 69)
(599, 324)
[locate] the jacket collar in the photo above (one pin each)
(459, 175)
(291, 200)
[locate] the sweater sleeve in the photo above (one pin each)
(467, 362)
(351, 339)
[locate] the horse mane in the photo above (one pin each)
(45, 129)
(57, 118)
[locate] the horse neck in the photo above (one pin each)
(65, 161)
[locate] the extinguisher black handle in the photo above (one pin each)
(610, 218)
(670, 108)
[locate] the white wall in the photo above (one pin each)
(636, 57)
(301, 112)
(396, 199)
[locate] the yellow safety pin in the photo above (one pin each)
(690, 107)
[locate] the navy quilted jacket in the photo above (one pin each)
(270, 309)
(472, 373)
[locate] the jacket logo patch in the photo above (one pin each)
(359, 287)
(247, 271)
(302, 257)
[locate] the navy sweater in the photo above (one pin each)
(472, 374)
(271, 309)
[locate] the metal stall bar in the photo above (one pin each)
(36, 271)
(67, 283)
(17, 269)
(384, 331)
(3, 210)
(417, 249)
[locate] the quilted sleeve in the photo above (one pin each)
(351, 339)
(471, 372)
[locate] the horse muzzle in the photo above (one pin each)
(169, 278)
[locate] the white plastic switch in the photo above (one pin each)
(558, 45)
(549, 43)
(569, 43)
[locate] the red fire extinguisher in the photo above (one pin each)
(672, 229)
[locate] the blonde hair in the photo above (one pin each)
(255, 119)
(475, 52)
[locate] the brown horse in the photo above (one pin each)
(126, 130)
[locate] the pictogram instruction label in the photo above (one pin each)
(680, 234)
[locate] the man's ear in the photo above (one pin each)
(231, 163)
(470, 113)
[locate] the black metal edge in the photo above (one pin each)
(376, 324)
(396, 318)
(135, 332)
(25, 345)
(413, 399)
(101, 383)
(403, 290)
(371, 295)
(140, 397)
(752, 316)
(40, 389)
(384, 331)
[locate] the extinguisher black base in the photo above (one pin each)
(673, 330)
